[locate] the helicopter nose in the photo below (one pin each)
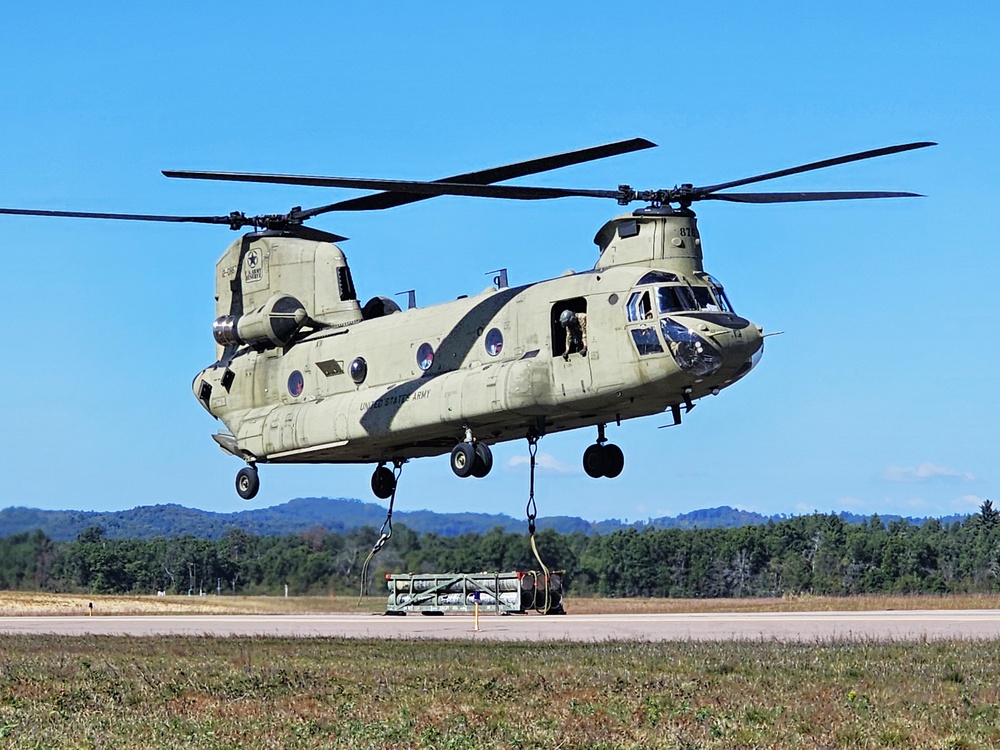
(745, 351)
(757, 355)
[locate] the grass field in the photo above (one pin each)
(123, 693)
(35, 603)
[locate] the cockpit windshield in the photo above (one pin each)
(674, 294)
(680, 298)
(675, 299)
(705, 299)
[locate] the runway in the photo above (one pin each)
(810, 627)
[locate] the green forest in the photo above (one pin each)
(816, 554)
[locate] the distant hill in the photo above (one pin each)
(341, 515)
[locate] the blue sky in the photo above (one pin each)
(880, 396)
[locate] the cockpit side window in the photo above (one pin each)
(723, 299)
(646, 340)
(720, 294)
(639, 307)
(640, 310)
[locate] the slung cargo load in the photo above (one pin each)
(502, 593)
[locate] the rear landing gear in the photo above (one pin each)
(603, 459)
(247, 482)
(383, 482)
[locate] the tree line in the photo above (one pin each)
(815, 554)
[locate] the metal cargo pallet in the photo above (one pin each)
(501, 593)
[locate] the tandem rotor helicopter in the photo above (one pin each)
(305, 373)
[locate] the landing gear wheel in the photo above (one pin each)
(383, 482)
(605, 460)
(463, 459)
(614, 460)
(247, 482)
(484, 460)
(594, 461)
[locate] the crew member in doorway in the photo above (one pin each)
(576, 332)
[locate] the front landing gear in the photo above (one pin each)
(471, 458)
(247, 482)
(603, 459)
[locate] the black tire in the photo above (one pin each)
(247, 483)
(593, 461)
(463, 459)
(383, 482)
(484, 460)
(614, 460)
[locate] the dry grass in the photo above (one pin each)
(782, 604)
(216, 693)
(18, 603)
(15, 603)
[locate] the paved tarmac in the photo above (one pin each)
(807, 627)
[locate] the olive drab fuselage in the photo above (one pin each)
(305, 374)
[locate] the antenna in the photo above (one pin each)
(500, 280)
(411, 298)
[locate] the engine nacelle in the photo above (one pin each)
(272, 325)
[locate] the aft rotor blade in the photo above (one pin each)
(235, 220)
(873, 153)
(391, 199)
(802, 197)
(124, 217)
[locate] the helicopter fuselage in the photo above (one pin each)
(381, 384)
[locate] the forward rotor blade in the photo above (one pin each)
(400, 192)
(701, 191)
(496, 174)
(802, 197)
(428, 189)
(228, 220)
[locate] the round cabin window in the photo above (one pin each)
(295, 384)
(494, 342)
(359, 370)
(425, 356)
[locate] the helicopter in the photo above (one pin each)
(306, 373)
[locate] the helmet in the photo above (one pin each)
(566, 317)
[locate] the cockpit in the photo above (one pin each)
(673, 294)
(660, 294)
